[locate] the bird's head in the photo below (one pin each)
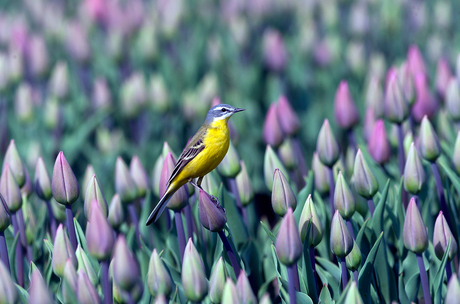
(221, 111)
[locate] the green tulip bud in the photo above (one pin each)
(62, 251)
(210, 185)
(10, 189)
(230, 165)
(42, 181)
(193, 274)
(89, 173)
(428, 141)
(353, 259)
(64, 184)
(116, 214)
(415, 237)
(38, 291)
(327, 146)
(5, 218)
(244, 186)
(13, 159)
(353, 296)
(271, 162)
(341, 241)
(365, 182)
(265, 299)
(441, 236)
(309, 215)
(217, 281)
(139, 175)
(69, 283)
(86, 293)
(321, 174)
(408, 140)
(244, 289)
(414, 175)
(343, 198)
(124, 183)
(287, 155)
(58, 83)
(85, 265)
(158, 278)
(160, 299)
(282, 195)
(58, 210)
(94, 193)
(288, 244)
(230, 294)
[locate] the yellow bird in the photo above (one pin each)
(203, 154)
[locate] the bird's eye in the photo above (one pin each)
(224, 110)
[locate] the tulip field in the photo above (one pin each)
(341, 183)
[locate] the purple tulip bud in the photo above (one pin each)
(23, 103)
(94, 193)
(62, 250)
(379, 146)
(415, 61)
(38, 291)
(99, 234)
(353, 296)
(13, 159)
(453, 290)
(343, 198)
(89, 172)
(271, 162)
(341, 240)
(272, 132)
(374, 97)
(230, 294)
(69, 282)
(327, 146)
(353, 259)
(139, 175)
(10, 189)
(133, 94)
(244, 289)
(5, 218)
(8, 291)
(443, 75)
(428, 141)
(158, 278)
(217, 281)
(179, 199)
(124, 183)
(126, 272)
(193, 274)
(414, 175)
(282, 195)
(244, 185)
(275, 54)
(346, 113)
(415, 237)
(321, 174)
(309, 214)
(288, 244)
(441, 236)
(366, 183)
(101, 96)
(38, 56)
(287, 117)
(453, 98)
(368, 124)
(230, 165)
(116, 215)
(396, 107)
(425, 104)
(456, 154)
(77, 42)
(86, 292)
(406, 83)
(211, 214)
(64, 184)
(58, 83)
(42, 182)
(85, 265)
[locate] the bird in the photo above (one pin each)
(203, 153)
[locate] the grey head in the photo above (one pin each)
(221, 111)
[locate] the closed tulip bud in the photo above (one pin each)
(13, 159)
(133, 94)
(211, 214)
(244, 289)
(217, 281)
(193, 274)
(69, 282)
(282, 195)
(365, 181)
(139, 175)
(42, 182)
(265, 299)
(5, 218)
(10, 189)
(288, 244)
(309, 214)
(346, 113)
(4, 71)
(272, 132)
(327, 146)
(210, 184)
(415, 237)
(275, 54)
(116, 215)
(64, 184)
(230, 165)
(58, 210)
(38, 291)
(125, 267)
(179, 199)
(341, 240)
(31, 224)
(62, 251)
(99, 234)
(406, 83)
(8, 291)
(86, 293)
(23, 103)
(374, 97)
(287, 117)
(396, 107)
(453, 290)
(441, 236)
(368, 123)
(353, 296)
(158, 278)
(343, 198)
(160, 299)
(415, 60)
(321, 174)
(428, 141)
(353, 259)
(94, 193)
(271, 162)
(453, 98)
(38, 56)
(101, 96)
(425, 104)
(27, 189)
(414, 175)
(159, 96)
(85, 265)
(456, 155)
(58, 83)
(408, 140)
(244, 185)
(287, 154)
(77, 41)
(443, 75)
(16, 66)
(379, 146)
(230, 294)
(124, 183)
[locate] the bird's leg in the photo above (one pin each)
(200, 179)
(198, 185)
(194, 184)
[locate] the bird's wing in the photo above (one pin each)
(195, 146)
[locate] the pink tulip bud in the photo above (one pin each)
(272, 132)
(379, 146)
(443, 75)
(275, 54)
(425, 104)
(415, 61)
(345, 110)
(287, 117)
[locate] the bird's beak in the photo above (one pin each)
(238, 110)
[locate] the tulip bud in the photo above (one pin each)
(415, 237)
(159, 97)
(365, 181)
(58, 83)
(287, 117)
(265, 299)
(10, 189)
(414, 175)
(443, 75)
(415, 60)
(85, 265)
(77, 42)
(125, 267)
(428, 141)
(396, 107)
(327, 146)
(406, 84)
(69, 283)
(116, 215)
(16, 66)
(287, 154)
(230, 165)
(456, 155)
(211, 214)
(38, 291)
(288, 244)
(230, 294)
(23, 103)
(453, 98)
(378, 145)
(272, 132)
(31, 224)
(139, 175)
(275, 54)
(271, 162)
(374, 97)
(353, 259)
(282, 195)
(453, 290)
(101, 95)
(343, 198)
(124, 183)
(8, 291)
(217, 281)
(160, 299)
(425, 104)
(58, 210)
(309, 214)
(94, 193)
(13, 159)
(345, 110)
(341, 241)
(244, 289)
(99, 234)
(193, 274)
(4, 71)
(321, 174)
(64, 184)
(5, 218)
(441, 236)
(42, 182)
(62, 251)
(133, 94)
(179, 199)
(353, 296)
(244, 186)
(158, 278)
(38, 56)
(86, 293)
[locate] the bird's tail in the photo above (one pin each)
(160, 207)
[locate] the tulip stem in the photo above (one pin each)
(350, 228)
(230, 253)
(52, 220)
(352, 140)
(331, 189)
(19, 254)
(401, 160)
(189, 220)
(343, 265)
(309, 259)
(4, 251)
(135, 222)
(355, 275)
(291, 270)
(180, 233)
(108, 297)
(296, 278)
(236, 194)
(370, 204)
(448, 271)
(71, 226)
(22, 233)
(440, 190)
(130, 298)
(424, 279)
